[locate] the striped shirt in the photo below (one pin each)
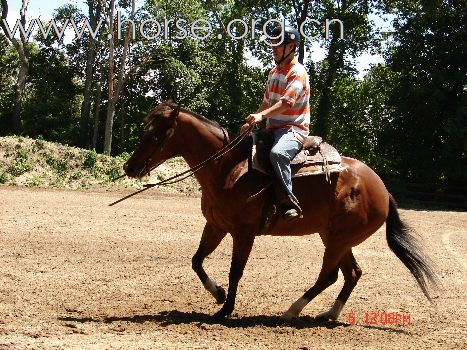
(289, 84)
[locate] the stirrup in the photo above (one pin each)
(291, 214)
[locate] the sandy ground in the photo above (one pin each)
(78, 274)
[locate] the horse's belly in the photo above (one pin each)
(298, 227)
(288, 232)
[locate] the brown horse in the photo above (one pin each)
(344, 212)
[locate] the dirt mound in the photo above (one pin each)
(39, 163)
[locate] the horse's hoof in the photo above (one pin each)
(220, 295)
(320, 319)
(325, 316)
(295, 309)
(289, 316)
(333, 313)
(223, 312)
(219, 315)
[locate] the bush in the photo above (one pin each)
(21, 165)
(3, 177)
(19, 168)
(22, 155)
(60, 166)
(34, 182)
(76, 175)
(90, 159)
(39, 144)
(124, 156)
(114, 172)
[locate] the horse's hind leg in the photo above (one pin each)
(210, 240)
(352, 273)
(328, 275)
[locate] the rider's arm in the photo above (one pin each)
(269, 112)
(275, 109)
(264, 105)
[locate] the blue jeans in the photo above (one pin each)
(285, 148)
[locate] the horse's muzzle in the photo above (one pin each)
(129, 170)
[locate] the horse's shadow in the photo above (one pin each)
(175, 317)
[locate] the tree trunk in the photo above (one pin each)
(334, 60)
(97, 109)
(301, 12)
(115, 94)
(17, 121)
(86, 105)
(111, 105)
(94, 14)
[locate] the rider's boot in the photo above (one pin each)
(288, 205)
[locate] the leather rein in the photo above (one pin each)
(187, 173)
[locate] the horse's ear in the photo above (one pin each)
(148, 116)
(171, 113)
(175, 112)
(170, 101)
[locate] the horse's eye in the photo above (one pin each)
(148, 127)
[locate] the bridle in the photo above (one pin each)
(159, 146)
(187, 173)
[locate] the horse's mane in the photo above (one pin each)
(201, 118)
(213, 126)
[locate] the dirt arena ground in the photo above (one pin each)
(78, 274)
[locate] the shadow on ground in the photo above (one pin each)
(175, 317)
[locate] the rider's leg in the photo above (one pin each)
(285, 148)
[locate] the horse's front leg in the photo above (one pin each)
(242, 244)
(210, 240)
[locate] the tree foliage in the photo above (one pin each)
(428, 121)
(406, 117)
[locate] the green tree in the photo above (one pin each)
(359, 116)
(51, 107)
(428, 123)
(8, 64)
(343, 44)
(22, 48)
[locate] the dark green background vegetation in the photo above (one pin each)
(406, 118)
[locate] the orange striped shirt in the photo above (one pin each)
(290, 85)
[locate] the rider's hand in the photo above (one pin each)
(244, 128)
(254, 118)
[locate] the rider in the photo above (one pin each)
(286, 108)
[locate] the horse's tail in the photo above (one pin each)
(404, 244)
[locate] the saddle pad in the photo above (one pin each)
(316, 169)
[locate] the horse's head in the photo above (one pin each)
(157, 143)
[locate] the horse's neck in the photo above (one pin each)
(200, 143)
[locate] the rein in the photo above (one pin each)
(190, 172)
